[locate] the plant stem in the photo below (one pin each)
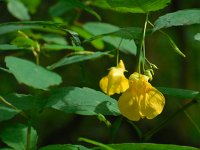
(12, 106)
(117, 57)
(95, 143)
(28, 137)
(150, 133)
(142, 42)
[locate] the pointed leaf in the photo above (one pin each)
(77, 58)
(178, 18)
(7, 113)
(148, 146)
(84, 101)
(15, 136)
(180, 93)
(31, 74)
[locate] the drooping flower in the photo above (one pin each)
(141, 99)
(115, 81)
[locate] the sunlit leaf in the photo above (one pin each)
(178, 18)
(77, 58)
(32, 5)
(97, 29)
(148, 146)
(84, 101)
(31, 74)
(133, 6)
(15, 136)
(197, 37)
(18, 10)
(64, 147)
(57, 47)
(10, 47)
(180, 93)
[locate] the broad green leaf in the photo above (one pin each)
(180, 93)
(57, 47)
(6, 112)
(64, 147)
(132, 6)
(197, 37)
(97, 29)
(6, 149)
(9, 47)
(18, 10)
(54, 38)
(147, 146)
(77, 58)
(63, 6)
(31, 74)
(84, 101)
(178, 18)
(15, 136)
(98, 44)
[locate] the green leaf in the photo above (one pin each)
(98, 29)
(197, 37)
(148, 146)
(18, 10)
(178, 18)
(58, 47)
(24, 42)
(25, 102)
(6, 149)
(54, 38)
(63, 6)
(6, 112)
(77, 58)
(9, 47)
(32, 5)
(84, 101)
(98, 44)
(31, 74)
(133, 6)
(15, 136)
(179, 93)
(64, 147)
(14, 26)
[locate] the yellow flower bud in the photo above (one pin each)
(115, 81)
(141, 99)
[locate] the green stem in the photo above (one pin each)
(142, 42)
(149, 134)
(28, 136)
(12, 106)
(95, 143)
(137, 129)
(117, 57)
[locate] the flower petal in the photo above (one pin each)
(104, 84)
(152, 103)
(128, 105)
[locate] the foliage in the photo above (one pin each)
(43, 57)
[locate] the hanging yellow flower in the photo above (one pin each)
(115, 81)
(140, 100)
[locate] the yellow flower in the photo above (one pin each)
(141, 99)
(115, 81)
